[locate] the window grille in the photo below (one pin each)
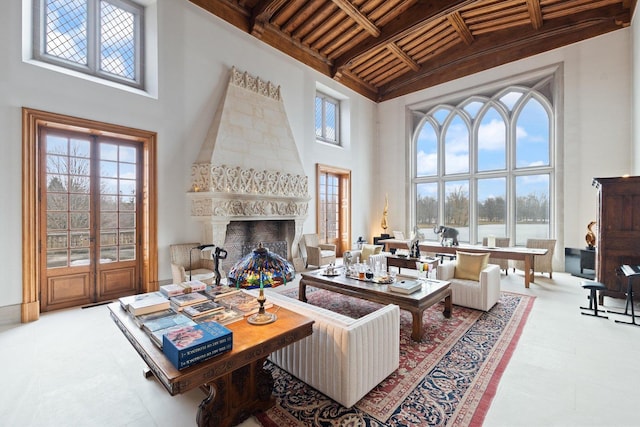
(97, 37)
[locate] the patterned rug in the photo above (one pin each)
(448, 379)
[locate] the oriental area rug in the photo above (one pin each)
(448, 379)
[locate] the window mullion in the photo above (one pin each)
(93, 36)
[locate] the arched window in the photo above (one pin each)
(484, 165)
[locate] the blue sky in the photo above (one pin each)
(532, 143)
(67, 35)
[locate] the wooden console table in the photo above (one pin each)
(236, 383)
(519, 253)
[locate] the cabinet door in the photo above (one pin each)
(618, 239)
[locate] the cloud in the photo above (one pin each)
(492, 136)
(426, 164)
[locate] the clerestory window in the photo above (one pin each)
(484, 164)
(97, 37)
(327, 119)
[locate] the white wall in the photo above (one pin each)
(635, 78)
(196, 52)
(595, 127)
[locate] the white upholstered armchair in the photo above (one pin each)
(480, 294)
(201, 263)
(318, 254)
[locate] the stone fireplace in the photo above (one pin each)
(249, 171)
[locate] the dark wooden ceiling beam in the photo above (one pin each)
(445, 40)
(364, 22)
(226, 11)
(357, 85)
(461, 28)
(402, 56)
(418, 15)
(535, 13)
(262, 14)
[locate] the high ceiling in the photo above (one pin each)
(387, 48)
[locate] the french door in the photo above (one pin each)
(90, 197)
(333, 206)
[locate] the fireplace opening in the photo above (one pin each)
(244, 236)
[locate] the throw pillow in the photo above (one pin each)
(368, 250)
(469, 265)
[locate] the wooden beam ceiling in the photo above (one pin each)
(387, 48)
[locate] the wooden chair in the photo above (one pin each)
(501, 242)
(318, 254)
(541, 264)
(201, 265)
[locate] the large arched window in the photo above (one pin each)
(483, 164)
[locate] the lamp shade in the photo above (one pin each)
(261, 268)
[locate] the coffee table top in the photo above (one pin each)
(377, 291)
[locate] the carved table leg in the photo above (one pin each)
(232, 398)
(210, 409)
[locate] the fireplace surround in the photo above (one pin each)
(249, 170)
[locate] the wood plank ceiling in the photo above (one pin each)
(387, 48)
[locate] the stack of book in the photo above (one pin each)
(183, 288)
(179, 302)
(149, 302)
(187, 345)
(242, 302)
(406, 286)
(201, 309)
(157, 327)
(224, 316)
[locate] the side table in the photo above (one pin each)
(587, 259)
(408, 262)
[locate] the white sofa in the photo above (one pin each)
(344, 358)
(479, 295)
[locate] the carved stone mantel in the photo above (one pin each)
(221, 194)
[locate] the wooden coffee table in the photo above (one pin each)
(433, 291)
(236, 382)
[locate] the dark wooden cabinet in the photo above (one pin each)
(618, 236)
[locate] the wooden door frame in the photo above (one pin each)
(31, 256)
(345, 214)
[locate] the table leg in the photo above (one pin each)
(210, 410)
(302, 291)
(448, 305)
(416, 332)
(232, 398)
(528, 275)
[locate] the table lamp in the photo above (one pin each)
(261, 268)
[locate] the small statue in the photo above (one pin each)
(446, 233)
(218, 254)
(385, 212)
(591, 236)
(415, 249)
